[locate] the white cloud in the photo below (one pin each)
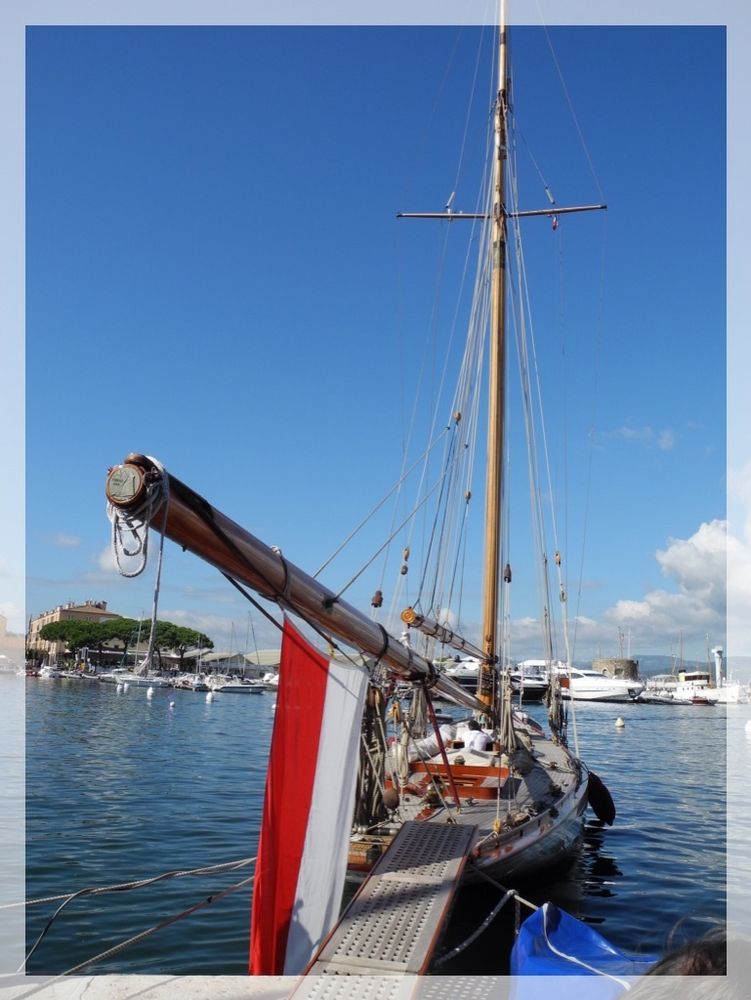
(66, 541)
(697, 608)
(666, 440)
(226, 633)
(106, 560)
(630, 611)
(699, 564)
(647, 436)
(629, 433)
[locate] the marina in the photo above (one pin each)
(346, 825)
(140, 790)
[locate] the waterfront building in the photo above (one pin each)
(89, 611)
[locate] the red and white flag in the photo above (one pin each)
(308, 806)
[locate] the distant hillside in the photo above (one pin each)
(651, 664)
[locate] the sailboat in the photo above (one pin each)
(522, 791)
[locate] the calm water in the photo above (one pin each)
(120, 787)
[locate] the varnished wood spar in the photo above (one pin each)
(496, 390)
(190, 521)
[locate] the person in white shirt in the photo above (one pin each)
(476, 738)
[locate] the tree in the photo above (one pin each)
(76, 634)
(179, 639)
(124, 630)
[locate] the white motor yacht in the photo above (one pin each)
(591, 685)
(464, 671)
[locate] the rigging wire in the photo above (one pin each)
(569, 101)
(439, 482)
(115, 949)
(138, 884)
(451, 519)
(599, 334)
(520, 298)
(452, 515)
(374, 510)
(119, 887)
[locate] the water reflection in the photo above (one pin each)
(598, 867)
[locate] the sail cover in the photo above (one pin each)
(307, 810)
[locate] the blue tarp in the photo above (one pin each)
(553, 943)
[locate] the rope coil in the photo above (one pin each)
(134, 523)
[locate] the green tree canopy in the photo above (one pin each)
(77, 634)
(74, 633)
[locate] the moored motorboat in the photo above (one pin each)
(591, 685)
(530, 680)
(51, 672)
(464, 670)
(238, 687)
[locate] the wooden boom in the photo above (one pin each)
(190, 521)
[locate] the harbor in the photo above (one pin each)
(141, 789)
(406, 796)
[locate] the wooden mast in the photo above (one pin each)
(496, 394)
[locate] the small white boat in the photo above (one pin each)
(239, 687)
(191, 682)
(51, 672)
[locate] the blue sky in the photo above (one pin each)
(215, 276)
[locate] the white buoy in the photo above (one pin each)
(210, 696)
(172, 704)
(150, 692)
(619, 723)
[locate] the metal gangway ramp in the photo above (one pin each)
(394, 923)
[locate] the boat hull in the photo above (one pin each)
(135, 680)
(536, 848)
(611, 696)
(530, 692)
